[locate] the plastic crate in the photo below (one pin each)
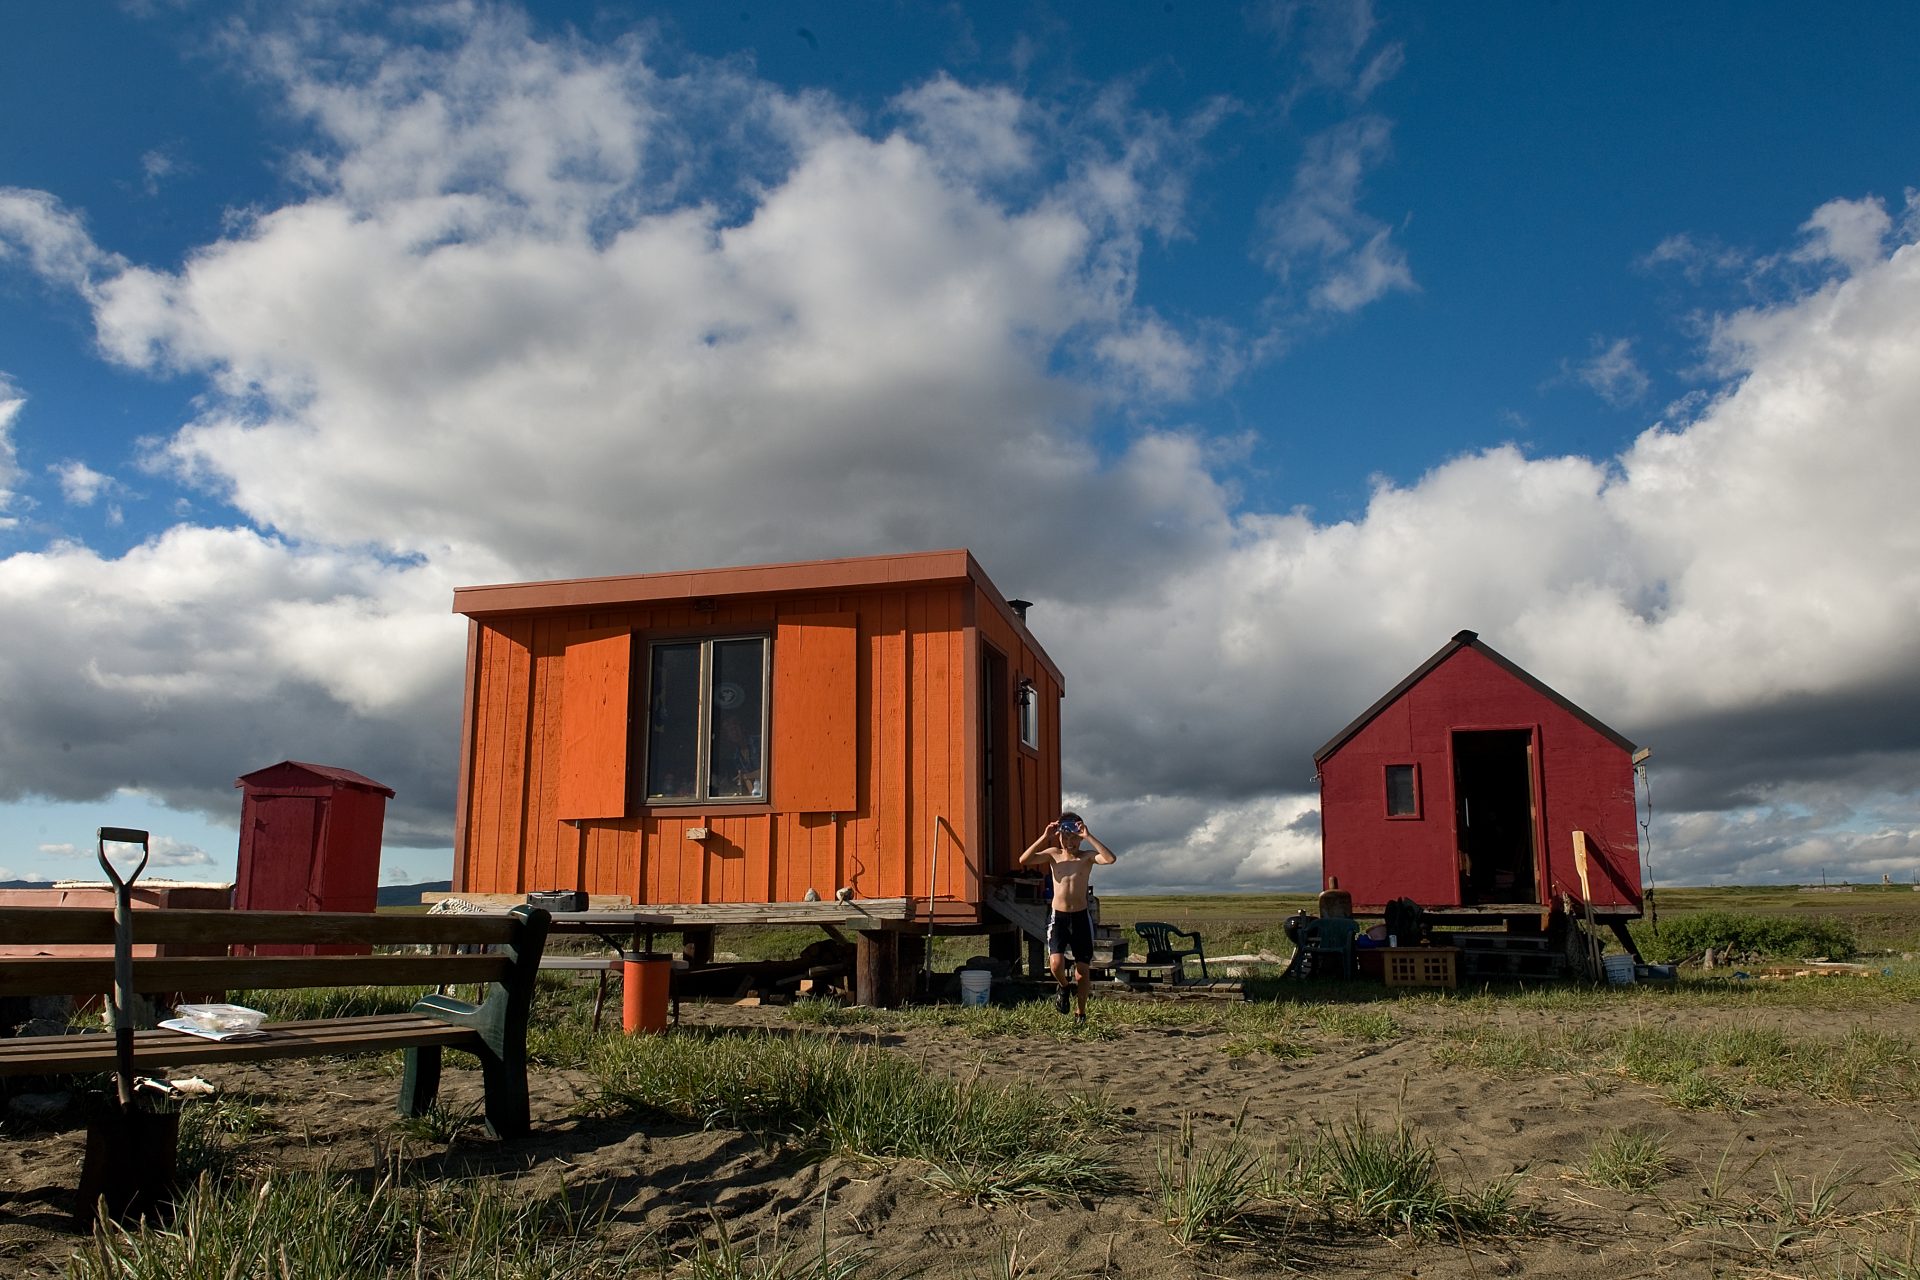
(1422, 966)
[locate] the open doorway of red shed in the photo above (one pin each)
(1494, 819)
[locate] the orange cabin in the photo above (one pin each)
(885, 724)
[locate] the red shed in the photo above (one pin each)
(886, 726)
(309, 841)
(1469, 787)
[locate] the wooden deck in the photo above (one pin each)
(860, 913)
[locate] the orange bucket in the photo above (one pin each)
(644, 982)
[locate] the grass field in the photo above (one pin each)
(1882, 920)
(1711, 1127)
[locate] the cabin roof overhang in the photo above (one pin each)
(859, 573)
(1466, 640)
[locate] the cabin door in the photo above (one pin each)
(1494, 818)
(996, 792)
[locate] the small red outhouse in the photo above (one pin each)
(1473, 787)
(309, 839)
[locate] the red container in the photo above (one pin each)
(645, 982)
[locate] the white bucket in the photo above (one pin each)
(1619, 968)
(975, 985)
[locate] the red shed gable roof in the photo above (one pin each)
(1464, 640)
(294, 773)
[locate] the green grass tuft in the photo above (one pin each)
(320, 1226)
(1362, 1177)
(1627, 1160)
(1208, 1194)
(829, 1098)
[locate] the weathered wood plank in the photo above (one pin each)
(94, 926)
(667, 915)
(56, 975)
(60, 1055)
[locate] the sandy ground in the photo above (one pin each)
(671, 1179)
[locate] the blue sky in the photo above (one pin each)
(1263, 346)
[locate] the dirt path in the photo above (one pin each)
(1740, 1179)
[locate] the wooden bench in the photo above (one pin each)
(493, 1030)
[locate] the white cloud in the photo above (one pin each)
(206, 653)
(162, 851)
(54, 242)
(1736, 581)
(499, 340)
(978, 132)
(1332, 39)
(80, 484)
(1852, 233)
(160, 165)
(1318, 231)
(11, 402)
(1612, 372)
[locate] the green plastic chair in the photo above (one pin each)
(1159, 937)
(1328, 943)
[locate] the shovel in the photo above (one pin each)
(130, 1152)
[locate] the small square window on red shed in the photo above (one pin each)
(1403, 791)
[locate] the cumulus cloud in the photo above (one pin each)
(1852, 233)
(1736, 590)
(207, 653)
(163, 852)
(505, 333)
(36, 228)
(80, 484)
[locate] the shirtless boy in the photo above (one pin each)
(1062, 849)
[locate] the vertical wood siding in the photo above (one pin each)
(1584, 782)
(909, 761)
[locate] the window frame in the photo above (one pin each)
(703, 726)
(1386, 783)
(1027, 714)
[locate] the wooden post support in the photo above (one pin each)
(697, 945)
(877, 969)
(1005, 945)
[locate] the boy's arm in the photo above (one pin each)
(1036, 854)
(1101, 854)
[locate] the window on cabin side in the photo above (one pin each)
(707, 720)
(1029, 715)
(1403, 791)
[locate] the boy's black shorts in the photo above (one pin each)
(1071, 932)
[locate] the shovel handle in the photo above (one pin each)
(123, 835)
(123, 955)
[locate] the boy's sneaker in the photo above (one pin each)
(1080, 1020)
(1061, 1000)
